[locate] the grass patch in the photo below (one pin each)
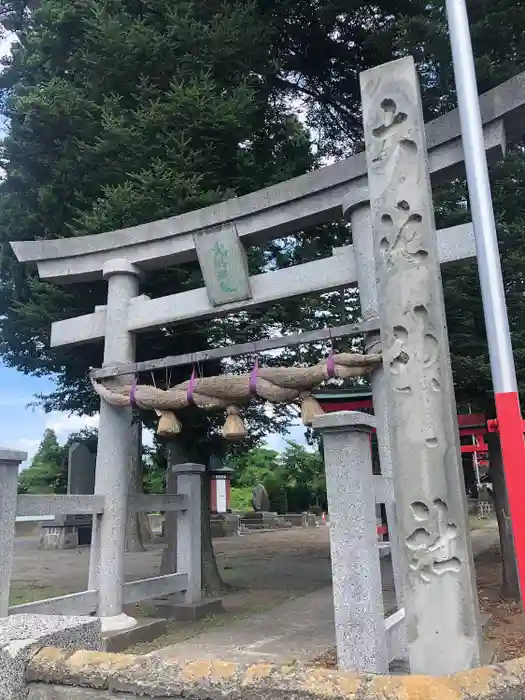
(22, 593)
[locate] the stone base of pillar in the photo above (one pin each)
(146, 629)
(116, 623)
(65, 536)
(188, 612)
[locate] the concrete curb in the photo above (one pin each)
(149, 676)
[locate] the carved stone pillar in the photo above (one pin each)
(441, 604)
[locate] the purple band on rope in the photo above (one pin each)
(191, 387)
(253, 378)
(133, 392)
(330, 365)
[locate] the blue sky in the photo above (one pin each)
(22, 427)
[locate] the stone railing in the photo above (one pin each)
(185, 505)
(54, 674)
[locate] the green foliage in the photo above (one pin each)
(241, 498)
(121, 113)
(305, 477)
(252, 467)
(466, 326)
(498, 33)
(294, 479)
(48, 470)
(154, 469)
(276, 491)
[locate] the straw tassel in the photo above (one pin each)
(310, 409)
(169, 424)
(233, 428)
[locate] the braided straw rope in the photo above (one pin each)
(227, 391)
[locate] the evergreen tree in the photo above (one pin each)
(498, 34)
(121, 113)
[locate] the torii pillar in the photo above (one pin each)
(440, 598)
(106, 569)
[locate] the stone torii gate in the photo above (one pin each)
(395, 258)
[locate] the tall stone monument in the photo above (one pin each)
(70, 531)
(442, 618)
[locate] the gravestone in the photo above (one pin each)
(260, 518)
(70, 531)
(260, 500)
(81, 470)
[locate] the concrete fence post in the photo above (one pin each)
(189, 484)
(9, 463)
(356, 572)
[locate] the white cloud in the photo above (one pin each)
(26, 445)
(64, 424)
(147, 437)
(296, 433)
(6, 42)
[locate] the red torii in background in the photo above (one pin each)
(472, 426)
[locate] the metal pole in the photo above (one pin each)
(491, 280)
(496, 320)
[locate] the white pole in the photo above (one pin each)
(476, 464)
(509, 423)
(491, 280)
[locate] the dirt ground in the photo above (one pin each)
(265, 569)
(507, 626)
(290, 561)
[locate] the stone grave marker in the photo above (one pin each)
(70, 531)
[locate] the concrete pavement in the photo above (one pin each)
(296, 631)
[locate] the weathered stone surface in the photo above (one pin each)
(189, 524)
(358, 598)
(81, 469)
(41, 691)
(442, 615)
(321, 275)
(106, 568)
(146, 630)
(151, 677)
(63, 533)
(260, 500)
(189, 612)
(22, 635)
(169, 555)
(8, 455)
(8, 495)
(223, 264)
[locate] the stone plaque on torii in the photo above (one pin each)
(385, 194)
